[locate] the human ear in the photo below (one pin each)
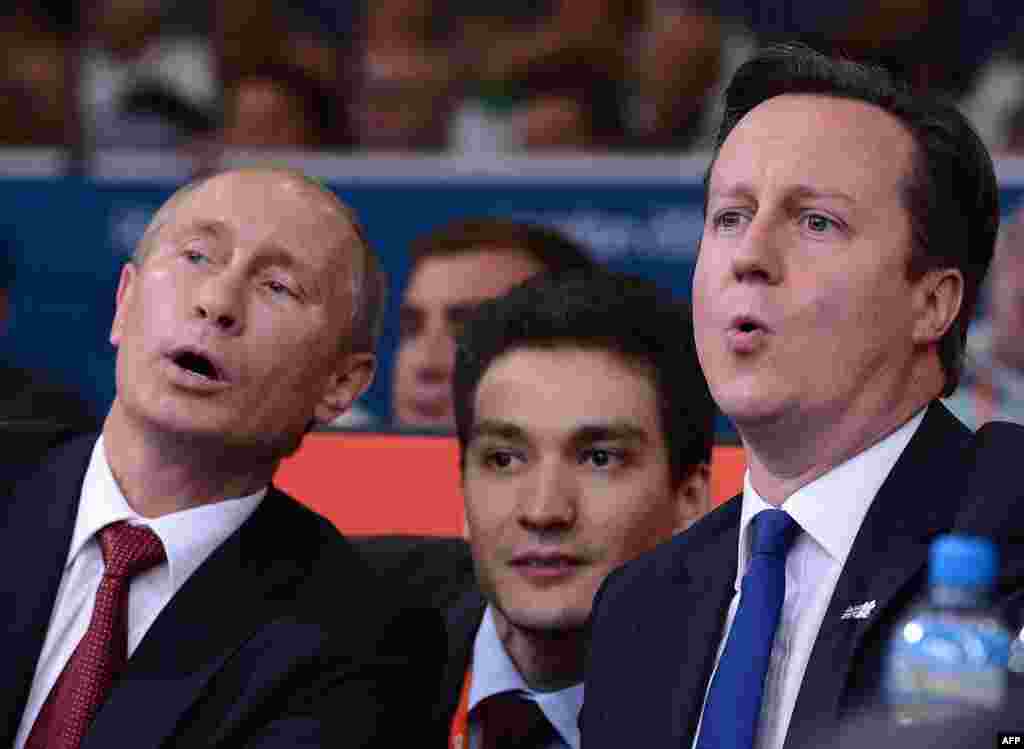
(124, 290)
(693, 497)
(938, 297)
(350, 380)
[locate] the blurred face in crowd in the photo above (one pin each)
(803, 309)
(566, 476)
(1008, 296)
(264, 114)
(442, 292)
(125, 27)
(228, 329)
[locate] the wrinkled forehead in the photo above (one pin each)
(277, 195)
(831, 144)
(288, 211)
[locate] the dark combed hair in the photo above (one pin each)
(549, 247)
(597, 310)
(950, 194)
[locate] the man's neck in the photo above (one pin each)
(547, 661)
(162, 474)
(792, 453)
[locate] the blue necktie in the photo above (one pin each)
(733, 707)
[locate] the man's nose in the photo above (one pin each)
(757, 257)
(219, 301)
(434, 356)
(550, 501)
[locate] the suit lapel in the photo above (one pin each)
(39, 519)
(918, 500)
(233, 593)
(688, 638)
(462, 621)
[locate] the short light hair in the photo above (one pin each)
(369, 281)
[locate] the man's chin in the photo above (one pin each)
(552, 624)
(217, 436)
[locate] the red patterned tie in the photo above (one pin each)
(103, 651)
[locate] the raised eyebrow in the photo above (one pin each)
(216, 228)
(739, 190)
(498, 429)
(804, 191)
(589, 434)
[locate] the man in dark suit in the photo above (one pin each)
(848, 227)
(159, 590)
(584, 441)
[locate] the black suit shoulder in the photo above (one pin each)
(26, 396)
(436, 572)
(664, 562)
(994, 508)
(433, 570)
(335, 653)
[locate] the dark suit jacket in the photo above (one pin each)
(438, 572)
(658, 620)
(27, 396)
(283, 636)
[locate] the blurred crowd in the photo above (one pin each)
(453, 77)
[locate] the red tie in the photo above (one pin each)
(103, 651)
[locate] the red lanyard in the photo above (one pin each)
(459, 737)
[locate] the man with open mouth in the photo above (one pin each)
(160, 590)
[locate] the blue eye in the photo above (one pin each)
(278, 288)
(728, 220)
(818, 223)
(194, 256)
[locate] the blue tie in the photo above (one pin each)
(733, 706)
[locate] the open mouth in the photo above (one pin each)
(542, 561)
(746, 325)
(197, 364)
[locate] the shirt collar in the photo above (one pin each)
(494, 672)
(189, 536)
(831, 508)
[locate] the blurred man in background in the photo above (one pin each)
(453, 269)
(993, 386)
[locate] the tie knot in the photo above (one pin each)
(129, 549)
(510, 719)
(774, 532)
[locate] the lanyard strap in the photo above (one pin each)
(459, 736)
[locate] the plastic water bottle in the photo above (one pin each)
(950, 654)
(1017, 653)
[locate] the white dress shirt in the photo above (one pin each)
(189, 537)
(495, 672)
(829, 511)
